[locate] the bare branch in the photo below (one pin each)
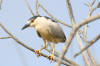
(88, 20)
(70, 12)
(0, 3)
(29, 7)
(65, 48)
(5, 37)
(37, 7)
(66, 59)
(91, 10)
(24, 45)
(86, 4)
(81, 46)
(92, 3)
(98, 5)
(90, 43)
(69, 7)
(72, 33)
(91, 58)
(53, 16)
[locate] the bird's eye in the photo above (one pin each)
(32, 20)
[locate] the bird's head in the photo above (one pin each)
(30, 22)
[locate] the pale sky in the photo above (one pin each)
(14, 15)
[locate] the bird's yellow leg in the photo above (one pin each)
(51, 57)
(39, 51)
(45, 45)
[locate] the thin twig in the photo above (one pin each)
(5, 37)
(81, 46)
(88, 20)
(99, 5)
(29, 7)
(91, 58)
(92, 3)
(0, 3)
(90, 43)
(91, 10)
(53, 16)
(70, 12)
(37, 7)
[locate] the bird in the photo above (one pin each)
(48, 29)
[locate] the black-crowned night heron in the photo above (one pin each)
(48, 30)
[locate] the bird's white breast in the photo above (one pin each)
(42, 26)
(43, 23)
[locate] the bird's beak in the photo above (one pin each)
(27, 25)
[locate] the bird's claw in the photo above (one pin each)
(51, 57)
(38, 52)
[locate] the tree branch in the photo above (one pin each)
(0, 3)
(70, 12)
(66, 59)
(37, 7)
(29, 7)
(90, 43)
(91, 10)
(64, 50)
(5, 37)
(81, 46)
(88, 20)
(27, 47)
(73, 32)
(71, 35)
(53, 16)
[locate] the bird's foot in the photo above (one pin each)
(51, 57)
(38, 52)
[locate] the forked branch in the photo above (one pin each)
(89, 44)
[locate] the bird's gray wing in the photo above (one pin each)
(38, 34)
(56, 31)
